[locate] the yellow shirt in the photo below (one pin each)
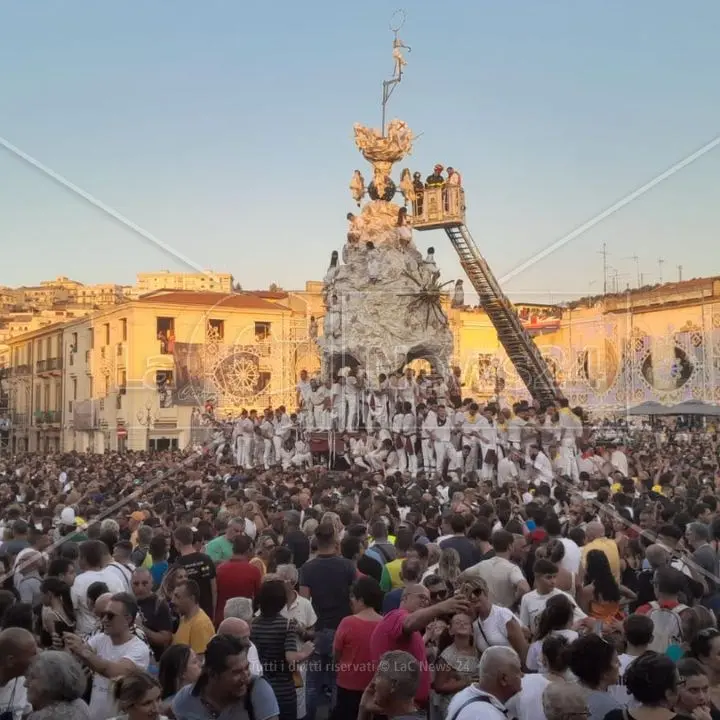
(610, 548)
(195, 632)
(393, 569)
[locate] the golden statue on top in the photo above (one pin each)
(382, 152)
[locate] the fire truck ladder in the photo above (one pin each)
(518, 344)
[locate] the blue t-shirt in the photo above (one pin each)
(186, 706)
(158, 570)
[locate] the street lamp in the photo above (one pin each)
(147, 418)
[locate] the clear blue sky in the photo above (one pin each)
(225, 129)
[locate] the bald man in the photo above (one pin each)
(596, 540)
(17, 649)
(499, 679)
(240, 629)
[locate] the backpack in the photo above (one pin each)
(482, 699)
(667, 626)
(383, 552)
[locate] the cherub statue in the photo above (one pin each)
(458, 300)
(400, 61)
(333, 319)
(357, 187)
(430, 264)
(313, 329)
(406, 186)
(331, 275)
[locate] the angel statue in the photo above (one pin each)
(400, 61)
(333, 319)
(357, 187)
(406, 187)
(331, 275)
(429, 262)
(458, 300)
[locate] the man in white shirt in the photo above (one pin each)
(377, 399)
(300, 610)
(542, 467)
(499, 679)
(20, 645)
(339, 400)
(322, 406)
(505, 580)
(439, 428)
(94, 558)
(352, 389)
(112, 653)
(409, 428)
(247, 429)
(571, 431)
(425, 443)
(407, 388)
(515, 425)
(304, 399)
(239, 628)
(282, 426)
(507, 470)
(533, 603)
(619, 460)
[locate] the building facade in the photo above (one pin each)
(611, 353)
(139, 375)
(35, 390)
(196, 282)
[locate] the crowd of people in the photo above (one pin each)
(521, 568)
(408, 422)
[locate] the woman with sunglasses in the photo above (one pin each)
(352, 647)
(494, 625)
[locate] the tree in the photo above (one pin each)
(236, 287)
(274, 287)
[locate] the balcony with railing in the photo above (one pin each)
(47, 417)
(49, 365)
(19, 419)
(438, 207)
(20, 370)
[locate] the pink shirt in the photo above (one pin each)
(388, 635)
(353, 657)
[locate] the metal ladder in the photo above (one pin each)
(519, 346)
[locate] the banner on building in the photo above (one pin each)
(191, 384)
(84, 415)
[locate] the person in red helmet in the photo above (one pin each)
(436, 179)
